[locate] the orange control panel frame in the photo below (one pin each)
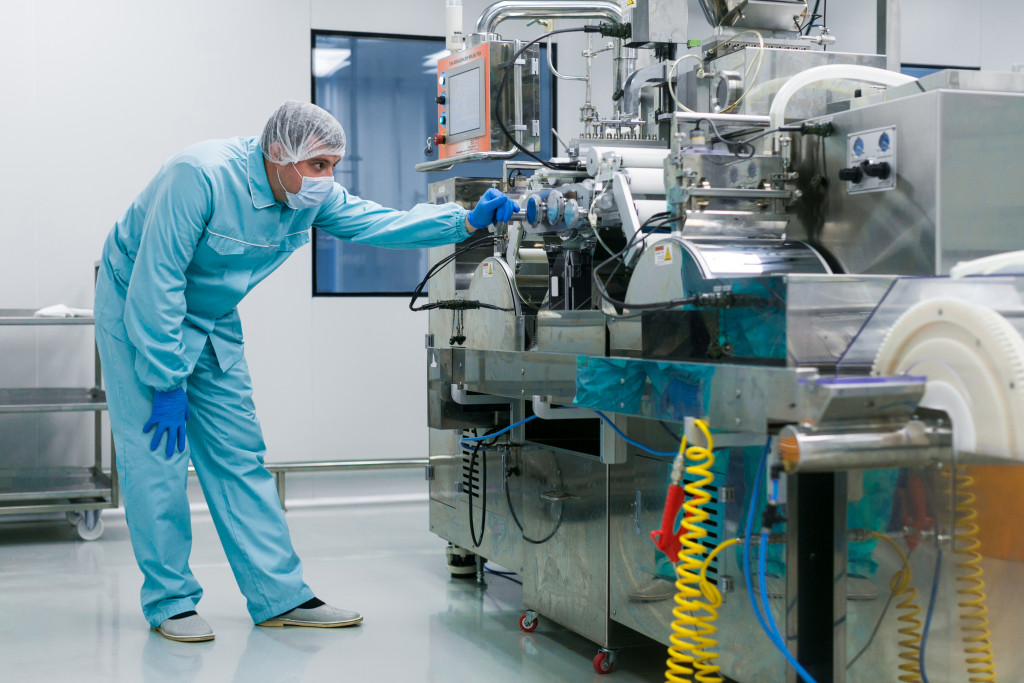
(479, 56)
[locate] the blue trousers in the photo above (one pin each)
(225, 444)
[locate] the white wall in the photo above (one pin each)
(95, 96)
(981, 33)
(98, 94)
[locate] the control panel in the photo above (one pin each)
(870, 161)
(467, 90)
(463, 102)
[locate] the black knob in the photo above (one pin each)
(854, 174)
(440, 99)
(880, 170)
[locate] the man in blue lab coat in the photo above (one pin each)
(217, 219)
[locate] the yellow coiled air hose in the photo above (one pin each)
(910, 646)
(690, 656)
(973, 610)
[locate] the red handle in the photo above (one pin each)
(666, 539)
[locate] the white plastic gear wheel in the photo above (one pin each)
(974, 361)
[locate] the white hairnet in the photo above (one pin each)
(303, 131)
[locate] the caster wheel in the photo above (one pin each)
(73, 517)
(90, 526)
(461, 563)
(604, 662)
(528, 623)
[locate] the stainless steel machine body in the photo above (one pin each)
(956, 158)
(682, 270)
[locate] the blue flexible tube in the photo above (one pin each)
(670, 454)
(623, 436)
(491, 436)
(748, 530)
(772, 631)
(931, 611)
(762, 581)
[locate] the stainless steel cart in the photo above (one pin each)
(79, 491)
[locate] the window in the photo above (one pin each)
(382, 89)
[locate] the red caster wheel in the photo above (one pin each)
(604, 662)
(528, 622)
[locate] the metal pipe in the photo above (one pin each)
(518, 129)
(556, 74)
(445, 164)
(887, 36)
(546, 9)
(654, 73)
(331, 465)
(737, 119)
(623, 65)
(279, 471)
(915, 444)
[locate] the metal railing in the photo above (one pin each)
(280, 470)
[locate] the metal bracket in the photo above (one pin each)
(462, 397)
(545, 410)
(613, 449)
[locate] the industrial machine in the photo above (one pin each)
(801, 262)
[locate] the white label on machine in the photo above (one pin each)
(488, 270)
(663, 255)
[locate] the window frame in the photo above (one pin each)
(312, 98)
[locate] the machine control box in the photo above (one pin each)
(467, 91)
(870, 161)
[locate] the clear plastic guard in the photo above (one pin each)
(1003, 294)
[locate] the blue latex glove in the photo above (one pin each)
(493, 207)
(170, 410)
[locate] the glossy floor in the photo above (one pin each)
(69, 609)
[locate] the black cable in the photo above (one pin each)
(437, 267)
(483, 496)
(482, 487)
(814, 15)
(602, 292)
(504, 575)
(735, 145)
(515, 518)
(878, 624)
(824, 21)
(669, 430)
(931, 612)
(504, 81)
(874, 632)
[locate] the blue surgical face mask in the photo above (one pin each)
(312, 193)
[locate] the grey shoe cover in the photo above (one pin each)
(323, 616)
(191, 629)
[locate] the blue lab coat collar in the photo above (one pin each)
(259, 185)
